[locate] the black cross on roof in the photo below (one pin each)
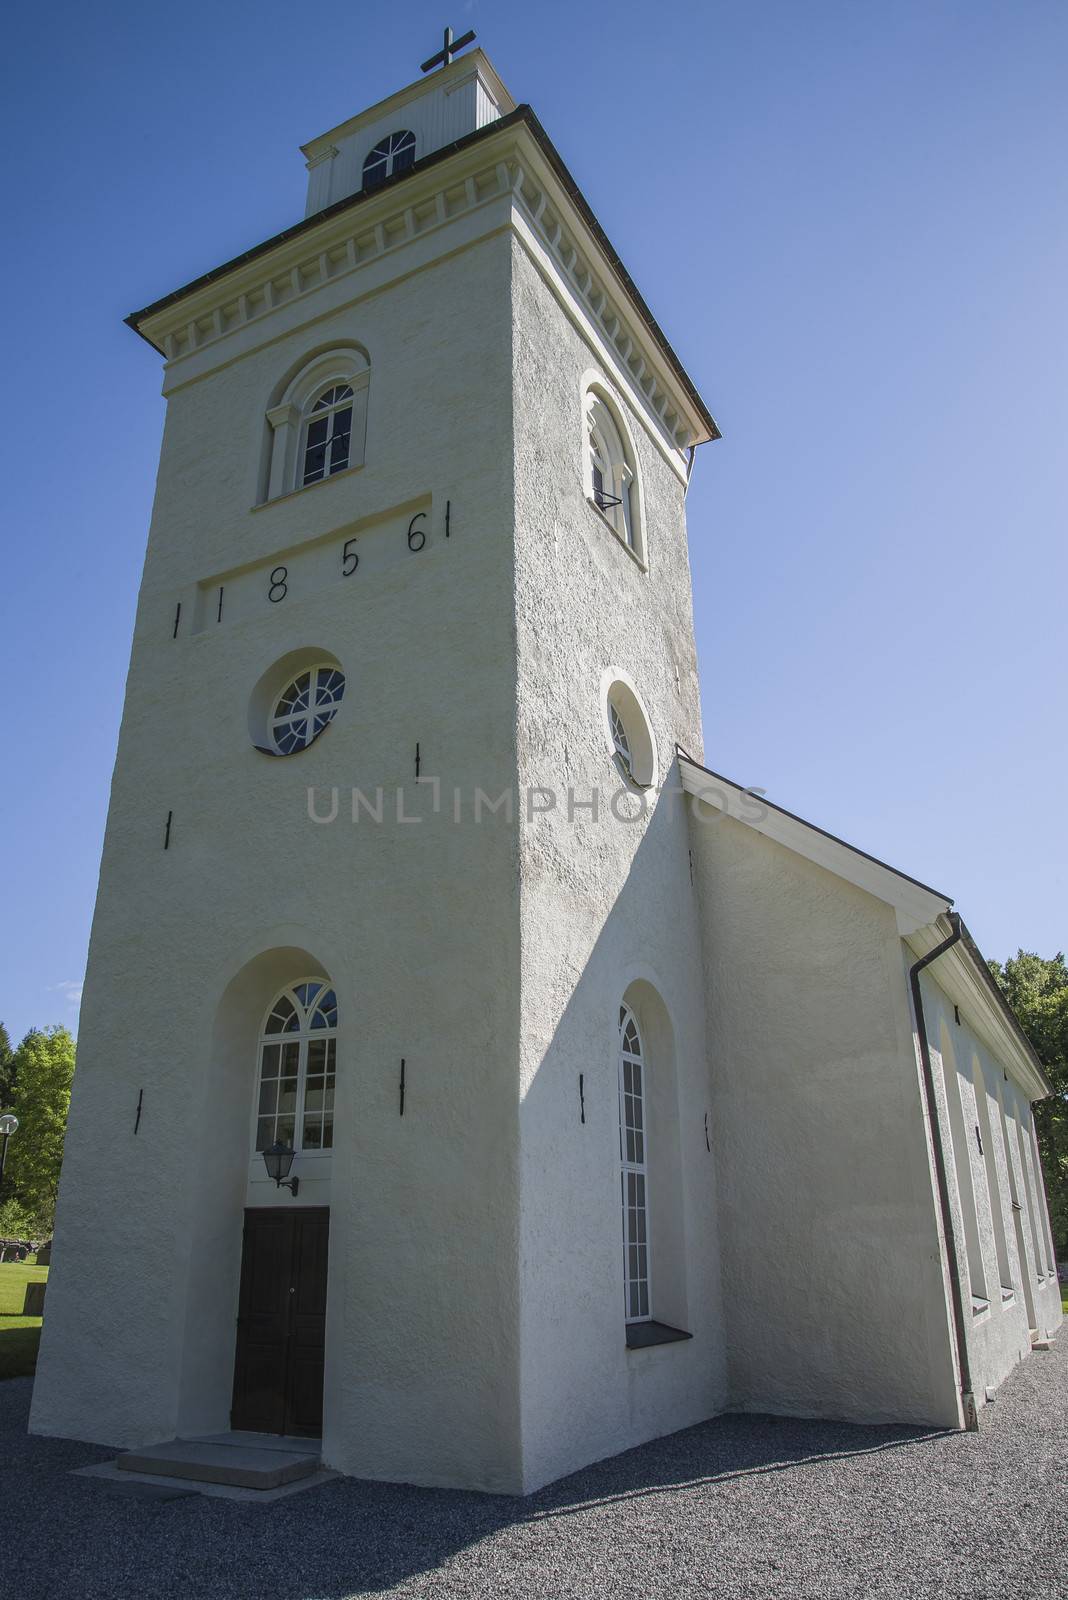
(448, 50)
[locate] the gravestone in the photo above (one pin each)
(33, 1305)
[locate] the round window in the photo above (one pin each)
(621, 744)
(305, 707)
(628, 731)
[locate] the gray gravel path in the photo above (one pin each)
(741, 1506)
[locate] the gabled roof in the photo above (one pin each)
(916, 903)
(922, 912)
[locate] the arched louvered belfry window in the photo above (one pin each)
(634, 1171)
(297, 1066)
(394, 153)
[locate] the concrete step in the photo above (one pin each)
(206, 1461)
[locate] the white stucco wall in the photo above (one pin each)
(474, 1322)
(1014, 1278)
(834, 1294)
(604, 905)
(415, 925)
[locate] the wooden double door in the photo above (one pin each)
(281, 1323)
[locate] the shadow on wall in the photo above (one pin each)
(379, 1535)
(618, 930)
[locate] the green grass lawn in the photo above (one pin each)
(19, 1335)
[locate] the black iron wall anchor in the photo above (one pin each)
(402, 1087)
(582, 1100)
(978, 1138)
(417, 759)
(137, 1119)
(167, 831)
(708, 1147)
(448, 511)
(177, 619)
(219, 616)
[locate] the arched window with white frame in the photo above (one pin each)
(327, 433)
(611, 474)
(634, 1171)
(319, 422)
(395, 153)
(297, 1064)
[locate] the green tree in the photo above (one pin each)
(44, 1067)
(7, 1070)
(1037, 990)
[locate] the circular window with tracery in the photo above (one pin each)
(305, 707)
(628, 731)
(624, 759)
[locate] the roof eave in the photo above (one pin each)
(521, 116)
(922, 912)
(916, 904)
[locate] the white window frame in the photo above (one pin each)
(623, 755)
(318, 709)
(303, 1036)
(610, 474)
(622, 706)
(391, 145)
(316, 411)
(289, 419)
(634, 1175)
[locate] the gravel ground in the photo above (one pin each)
(740, 1506)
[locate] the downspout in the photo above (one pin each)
(960, 1323)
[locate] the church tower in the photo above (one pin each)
(393, 879)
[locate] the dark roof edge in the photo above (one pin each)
(764, 801)
(582, 205)
(977, 957)
(306, 224)
(521, 114)
(980, 962)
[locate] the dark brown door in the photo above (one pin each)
(278, 1370)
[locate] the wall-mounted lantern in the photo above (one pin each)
(278, 1160)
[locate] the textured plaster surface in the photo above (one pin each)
(475, 1323)
(989, 1141)
(833, 1287)
(603, 903)
(415, 925)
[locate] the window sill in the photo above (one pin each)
(979, 1306)
(335, 477)
(616, 535)
(640, 1335)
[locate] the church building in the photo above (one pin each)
(471, 1081)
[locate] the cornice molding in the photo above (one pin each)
(963, 976)
(505, 161)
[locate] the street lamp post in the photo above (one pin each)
(8, 1125)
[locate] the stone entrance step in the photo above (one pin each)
(241, 1461)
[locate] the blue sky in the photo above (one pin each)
(850, 220)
